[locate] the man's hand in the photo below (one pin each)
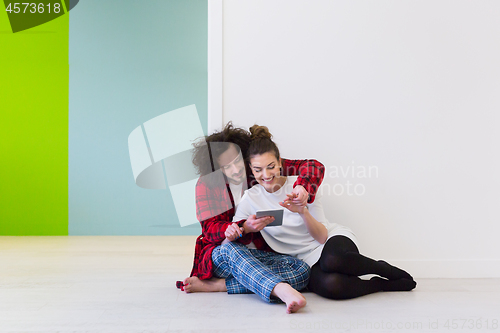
(254, 224)
(233, 232)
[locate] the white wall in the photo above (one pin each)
(409, 87)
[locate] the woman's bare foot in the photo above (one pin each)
(293, 299)
(194, 285)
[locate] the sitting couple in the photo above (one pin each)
(237, 253)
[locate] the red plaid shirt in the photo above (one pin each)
(214, 210)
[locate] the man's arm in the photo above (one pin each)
(214, 211)
(310, 174)
(214, 228)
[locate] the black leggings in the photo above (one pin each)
(336, 273)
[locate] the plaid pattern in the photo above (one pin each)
(211, 201)
(248, 270)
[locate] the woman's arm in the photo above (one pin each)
(316, 229)
(310, 174)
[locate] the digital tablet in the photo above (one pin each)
(276, 213)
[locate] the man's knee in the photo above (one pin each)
(303, 273)
(221, 262)
(298, 266)
(296, 270)
(304, 268)
(231, 248)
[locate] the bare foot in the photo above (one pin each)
(194, 285)
(293, 299)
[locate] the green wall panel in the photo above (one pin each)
(34, 76)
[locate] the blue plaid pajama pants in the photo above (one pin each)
(254, 271)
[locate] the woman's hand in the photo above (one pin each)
(233, 232)
(295, 208)
(299, 195)
(254, 224)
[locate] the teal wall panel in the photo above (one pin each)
(130, 61)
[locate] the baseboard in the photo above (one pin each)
(478, 268)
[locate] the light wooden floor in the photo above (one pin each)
(127, 284)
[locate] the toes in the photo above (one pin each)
(292, 307)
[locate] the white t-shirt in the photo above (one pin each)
(236, 191)
(292, 237)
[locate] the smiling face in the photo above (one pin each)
(266, 169)
(232, 165)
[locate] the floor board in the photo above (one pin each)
(127, 284)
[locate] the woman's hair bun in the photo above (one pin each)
(260, 132)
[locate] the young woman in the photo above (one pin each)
(330, 249)
(248, 264)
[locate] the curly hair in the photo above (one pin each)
(206, 152)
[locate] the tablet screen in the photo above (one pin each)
(276, 213)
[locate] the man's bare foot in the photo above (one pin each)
(293, 299)
(194, 285)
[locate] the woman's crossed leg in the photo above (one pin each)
(336, 273)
